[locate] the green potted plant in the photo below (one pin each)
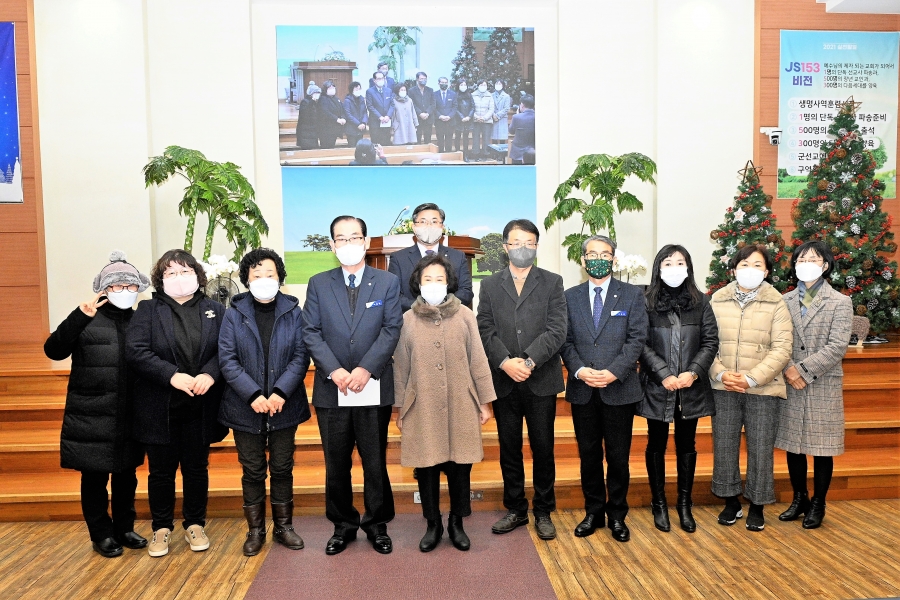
(217, 189)
(602, 177)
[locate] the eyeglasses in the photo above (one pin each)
(812, 261)
(181, 272)
(595, 256)
(431, 222)
(517, 245)
(353, 239)
(118, 288)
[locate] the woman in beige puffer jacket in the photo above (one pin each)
(755, 343)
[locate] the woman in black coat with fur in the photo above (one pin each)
(97, 421)
(173, 345)
(682, 344)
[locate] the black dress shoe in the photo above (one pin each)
(131, 540)
(432, 536)
(620, 531)
(381, 541)
(108, 547)
(457, 533)
(588, 525)
(337, 544)
(544, 527)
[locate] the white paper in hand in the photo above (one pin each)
(386, 123)
(368, 396)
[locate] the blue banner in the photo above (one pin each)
(10, 167)
(821, 69)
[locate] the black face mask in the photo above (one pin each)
(444, 86)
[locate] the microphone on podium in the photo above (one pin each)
(397, 220)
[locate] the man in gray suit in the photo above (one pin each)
(351, 325)
(608, 326)
(428, 224)
(522, 321)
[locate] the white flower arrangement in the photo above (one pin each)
(629, 265)
(219, 266)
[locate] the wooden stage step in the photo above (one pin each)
(34, 487)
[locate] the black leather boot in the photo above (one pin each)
(283, 531)
(656, 472)
(687, 464)
(256, 528)
(457, 534)
(815, 514)
(799, 507)
(432, 535)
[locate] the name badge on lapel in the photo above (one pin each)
(374, 303)
(619, 313)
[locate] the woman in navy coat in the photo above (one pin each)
(264, 362)
(356, 113)
(173, 345)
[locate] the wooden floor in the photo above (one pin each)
(853, 555)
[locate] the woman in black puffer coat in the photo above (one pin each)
(682, 344)
(97, 421)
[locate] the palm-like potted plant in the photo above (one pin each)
(217, 189)
(602, 177)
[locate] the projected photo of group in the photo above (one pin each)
(437, 114)
(405, 95)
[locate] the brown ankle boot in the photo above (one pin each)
(256, 525)
(283, 532)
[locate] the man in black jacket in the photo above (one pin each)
(423, 99)
(522, 321)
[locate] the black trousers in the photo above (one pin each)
(458, 482)
(187, 450)
(378, 134)
(366, 428)
(463, 141)
(685, 434)
(95, 503)
(444, 132)
(600, 426)
(352, 140)
(539, 413)
(423, 132)
(251, 449)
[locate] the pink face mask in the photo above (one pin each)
(180, 286)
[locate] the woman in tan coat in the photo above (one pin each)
(442, 385)
(812, 417)
(755, 341)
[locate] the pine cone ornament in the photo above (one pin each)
(850, 281)
(840, 153)
(886, 274)
(870, 208)
(741, 244)
(834, 217)
(772, 238)
(842, 131)
(872, 304)
(714, 235)
(893, 294)
(855, 229)
(822, 184)
(846, 202)
(867, 264)
(891, 247)
(834, 249)
(861, 310)
(809, 223)
(866, 193)
(851, 240)
(856, 159)
(768, 197)
(747, 208)
(795, 213)
(830, 187)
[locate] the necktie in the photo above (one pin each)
(352, 279)
(598, 307)
(429, 252)
(443, 96)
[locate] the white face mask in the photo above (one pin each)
(379, 82)
(316, 96)
(808, 272)
(749, 278)
(181, 286)
(331, 91)
(350, 254)
(124, 299)
(428, 235)
(433, 293)
(402, 94)
(463, 88)
(673, 276)
(482, 88)
(498, 87)
(264, 289)
(357, 93)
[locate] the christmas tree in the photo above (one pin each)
(464, 65)
(841, 205)
(502, 62)
(748, 221)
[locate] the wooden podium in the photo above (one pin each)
(382, 247)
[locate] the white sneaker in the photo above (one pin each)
(196, 537)
(159, 545)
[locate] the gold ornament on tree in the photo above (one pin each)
(823, 183)
(840, 153)
(861, 310)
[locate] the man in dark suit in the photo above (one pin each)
(444, 113)
(522, 321)
(607, 329)
(380, 100)
(389, 81)
(351, 325)
(428, 224)
(522, 128)
(423, 99)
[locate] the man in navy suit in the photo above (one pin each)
(522, 128)
(423, 99)
(351, 325)
(444, 111)
(428, 224)
(608, 326)
(383, 68)
(380, 100)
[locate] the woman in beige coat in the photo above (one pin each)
(442, 385)
(755, 341)
(812, 417)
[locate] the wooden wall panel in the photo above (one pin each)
(23, 279)
(771, 17)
